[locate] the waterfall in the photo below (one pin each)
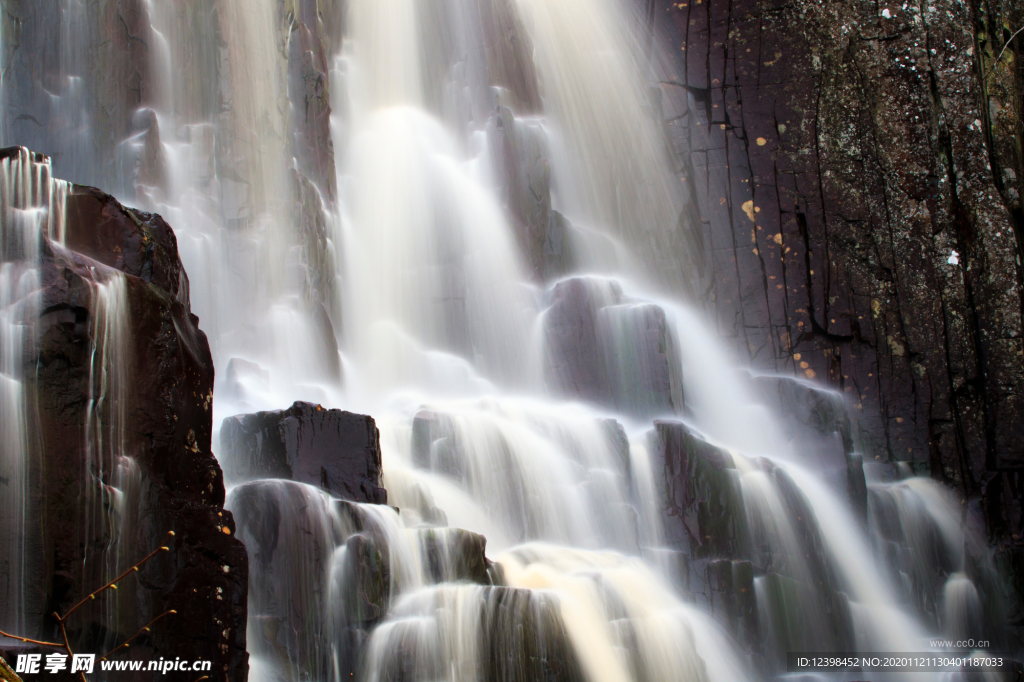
(32, 208)
(110, 477)
(460, 217)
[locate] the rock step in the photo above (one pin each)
(334, 450)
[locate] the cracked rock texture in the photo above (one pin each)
(853, 170)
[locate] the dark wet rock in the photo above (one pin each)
(796, 619)
(524, 171)
(603, 348)
(522, 638)
(136, 243)
(541, 651)
(312, 555)
(699, 492)
(641, 358)
(313, 272)
(733, 602)
(455, 555)
(290, 532)
(855, 177)
(152, 442)
(334, 450)
(559, 257)
(451, 555)
(812, 560)
(309, 93)
(1008, 561)
(573, 358)
(435, 444)
(141, 160)
(808, 405)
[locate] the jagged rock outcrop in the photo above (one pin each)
(854, 173)
(521, 638)
(543, 651)
(121, 379)
(523, 166)
(334, 450)
(731, 530)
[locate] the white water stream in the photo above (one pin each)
(413, 281)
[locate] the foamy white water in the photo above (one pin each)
(510, 407)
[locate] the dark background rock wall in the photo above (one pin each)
(836, 155)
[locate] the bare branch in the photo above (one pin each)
(112, 585)
(67, 646)
(144, 628)
(31, 641)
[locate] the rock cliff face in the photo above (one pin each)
(123, 448)
(854, 172)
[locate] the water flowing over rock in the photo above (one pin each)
(702, 317)
(604, 348)
(120, 384)
(855, 177)
(820, 420)
(703, 506)
(325, 572)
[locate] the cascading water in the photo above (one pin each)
(32, 208)
(111, 488)
(514, 324)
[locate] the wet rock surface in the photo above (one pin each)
(725, 523)
(703, 509)
(733, 600)
(334, 450)
(604, 348)
(312, 554)
(854, 173)
(817, 421)
(157, 452)
(855, 154)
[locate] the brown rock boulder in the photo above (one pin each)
(334, 450)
